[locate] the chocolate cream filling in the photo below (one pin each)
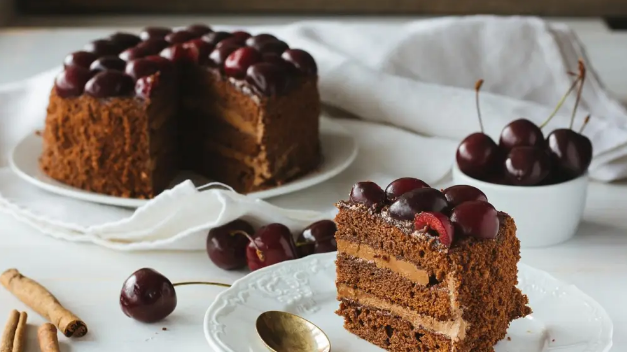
(384, 261)
(454, 329)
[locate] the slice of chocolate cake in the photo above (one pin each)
(423, 270)
(129, 111)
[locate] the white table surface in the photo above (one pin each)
(87, 278)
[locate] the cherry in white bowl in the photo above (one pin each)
(544, 215)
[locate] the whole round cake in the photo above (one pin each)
(129, 112)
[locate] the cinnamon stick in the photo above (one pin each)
(43, 302)
(12, 339)
(47, 336)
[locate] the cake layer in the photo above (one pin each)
(388, 330)
(360, 226)
(393, 288)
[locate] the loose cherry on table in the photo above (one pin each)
(401, 186)
(477, 154)
(318, 237)
(226, 245)
(476, 218)
(367, 193)
(148, 296)
(271, 244)
(418, 200)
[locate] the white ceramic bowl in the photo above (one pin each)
(544, 215)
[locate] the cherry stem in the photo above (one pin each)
(260, 254)
(582, 77)
(201, 283)
(560, 103)
(585, 123)
(477, 89)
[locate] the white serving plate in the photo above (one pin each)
(564, 318)
(339, 150)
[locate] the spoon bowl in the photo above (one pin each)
(286, 332)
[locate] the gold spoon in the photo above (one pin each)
(286, 332)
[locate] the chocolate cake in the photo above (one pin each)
(128, 112)
(420, 269)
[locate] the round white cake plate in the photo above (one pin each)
(339, 150)
(564, 318)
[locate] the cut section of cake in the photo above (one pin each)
(128, 112)
(420, 269)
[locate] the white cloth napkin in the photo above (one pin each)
(417, 77)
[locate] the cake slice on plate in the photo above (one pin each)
(420, 269)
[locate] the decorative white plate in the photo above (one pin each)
(339, 150)
(564, 318)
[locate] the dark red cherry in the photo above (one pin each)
(437, 222)
(271, 46)
(242, 35)
(133, 53)
(240, 60)
(142, 68)
(71, 82)
(181, 53)
(301, 59)
(476, 155)
(521, 133)
(570, 151)
(260, 38)
(103, 47)
(147, 296)
(219, 55)
(226, 245)
(268, 79)
(401, 186)
(214, 38)
(321, 235)
(198, 30)
(145, 86)
(179, 37)
(154, 32)
(458, 194)
(271, 244)
(476, 218)
(108, 63)
(80, 58)
(527, 166)
(367, 193)
(203, 48)
(413, 202)
(232, 40)
(125, 40)
(109, 84)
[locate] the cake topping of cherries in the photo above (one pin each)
(454, 213)
(266, 63)
(524, 157)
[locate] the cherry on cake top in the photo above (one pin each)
(456, 212)
(267, 64)
(523, 156)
